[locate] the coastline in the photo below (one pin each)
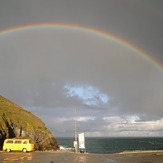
(154, 156)
(141, 151)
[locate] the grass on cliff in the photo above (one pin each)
(18, 116)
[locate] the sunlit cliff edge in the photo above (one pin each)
(17, 122)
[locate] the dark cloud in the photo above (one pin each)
(52, 71)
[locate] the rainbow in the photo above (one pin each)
(89, 30)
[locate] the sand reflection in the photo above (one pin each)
(17, 157)
(82, 158)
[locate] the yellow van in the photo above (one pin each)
(18, 144)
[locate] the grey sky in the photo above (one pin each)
(52, 71)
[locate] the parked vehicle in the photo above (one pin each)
(18, 144)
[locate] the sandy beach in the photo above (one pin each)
(68, 157)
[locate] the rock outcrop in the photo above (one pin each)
(17, 122)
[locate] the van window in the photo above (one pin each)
(25, 142)
(9, 142)
(18, 142)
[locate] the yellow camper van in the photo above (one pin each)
(18, 144)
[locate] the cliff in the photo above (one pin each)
(17, 122)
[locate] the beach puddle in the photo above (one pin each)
(82, 159)
(15, 157)
(107, 160)
(61, 157)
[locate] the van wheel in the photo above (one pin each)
(8, 150)
(24, 150)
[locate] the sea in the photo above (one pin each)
(105, 145)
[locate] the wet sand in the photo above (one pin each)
(69, 157)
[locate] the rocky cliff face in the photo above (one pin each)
(17, 122)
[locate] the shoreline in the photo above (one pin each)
(71, 152)
(141, 151)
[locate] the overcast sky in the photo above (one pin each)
(52, 71)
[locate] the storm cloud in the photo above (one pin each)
(51, 71)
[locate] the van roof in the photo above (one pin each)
(18, 139)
